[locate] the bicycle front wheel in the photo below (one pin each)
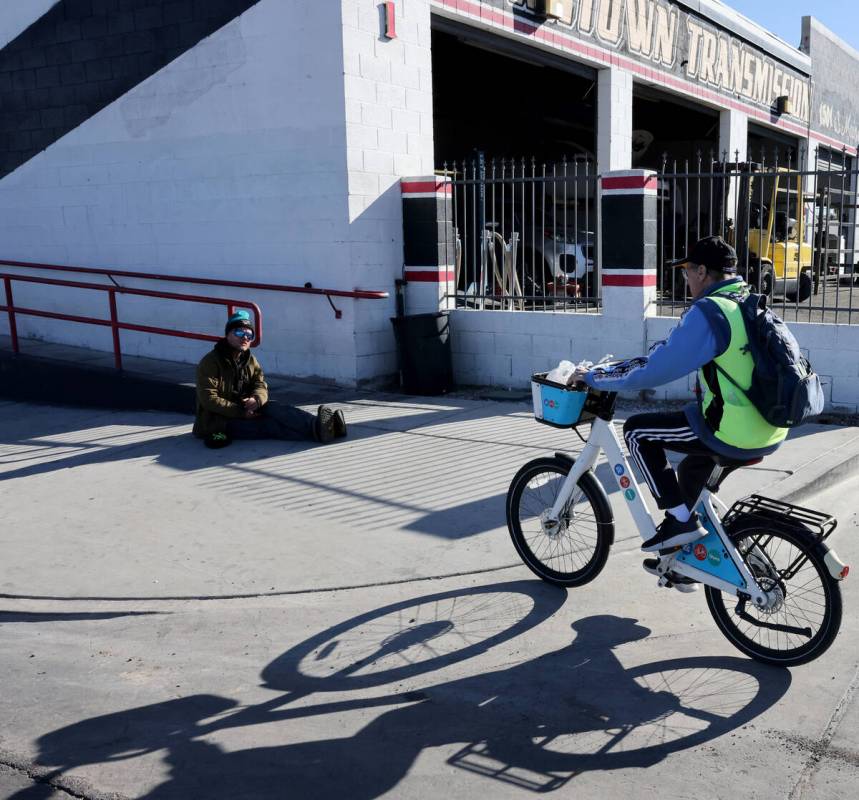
(788, 565)
(576, 551)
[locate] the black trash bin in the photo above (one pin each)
(423, 342)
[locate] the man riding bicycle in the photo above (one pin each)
(710, 339)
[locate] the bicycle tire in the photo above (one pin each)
(783, 546)
(563, 569)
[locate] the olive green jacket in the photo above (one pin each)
(222, 382)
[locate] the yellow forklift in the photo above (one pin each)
(768, 232)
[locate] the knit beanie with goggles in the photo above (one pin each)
(240, 319)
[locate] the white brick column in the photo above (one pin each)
(614, 120)
(733, 134)
(733, 145)
(388, 98)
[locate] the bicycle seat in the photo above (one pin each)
(724, 461)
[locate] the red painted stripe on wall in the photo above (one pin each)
(645, 279)
(429, 276)
(422, 187)
(642, 182)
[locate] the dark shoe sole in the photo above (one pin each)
(324, 426)
(339, 424)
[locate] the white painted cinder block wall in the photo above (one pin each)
(504, 348)
(230, 162)
(388, 91)
(501, 348)
(269, 152)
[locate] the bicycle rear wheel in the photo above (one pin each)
(577, 551)
(788, 563)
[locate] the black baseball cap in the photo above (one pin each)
(711, 251)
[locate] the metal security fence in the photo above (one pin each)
(522, 235)
(792, 222)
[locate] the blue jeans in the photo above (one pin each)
(275, 421)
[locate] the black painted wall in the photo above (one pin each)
(83, 55)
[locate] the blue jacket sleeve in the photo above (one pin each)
(689, 346)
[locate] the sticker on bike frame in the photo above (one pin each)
(707, 556)
(629, 494)
(618, 469)
(624, 482)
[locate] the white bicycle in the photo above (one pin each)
(771, 580)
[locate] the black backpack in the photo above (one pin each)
(785, 389)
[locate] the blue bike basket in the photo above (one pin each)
(556, 404)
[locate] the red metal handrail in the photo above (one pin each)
(358, 294)
(114, 323)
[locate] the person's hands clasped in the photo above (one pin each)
(251, 406)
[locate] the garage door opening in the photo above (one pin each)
(514, 130)
(772, 148)
(507, 101)
(669, 130)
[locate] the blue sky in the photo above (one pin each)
(784, 17)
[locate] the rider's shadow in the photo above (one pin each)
(535, 725)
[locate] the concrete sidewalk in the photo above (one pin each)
(275, 620)
(416, 491)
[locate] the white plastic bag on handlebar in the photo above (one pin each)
(561, 373)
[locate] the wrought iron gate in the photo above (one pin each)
(793, 225)
(522, 235)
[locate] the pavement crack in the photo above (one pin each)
(819, 750)
(68, 785)
(822, 747)
(255, 595)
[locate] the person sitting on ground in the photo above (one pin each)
(233, 402)
(711, 338)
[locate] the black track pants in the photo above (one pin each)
(277, 421)
(648, 436)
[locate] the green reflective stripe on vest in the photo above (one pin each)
(741, 424)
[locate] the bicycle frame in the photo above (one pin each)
(712, 560)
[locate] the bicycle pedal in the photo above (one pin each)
(669, 550)
(684, 585)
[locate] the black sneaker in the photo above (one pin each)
(217, 440)
(673, 533)
(325, 427)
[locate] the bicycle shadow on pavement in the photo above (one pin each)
(535, 725)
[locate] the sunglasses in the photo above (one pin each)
(243, 333)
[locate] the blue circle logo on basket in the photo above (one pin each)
(629, 494)
(549, 403)
(618, 469)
